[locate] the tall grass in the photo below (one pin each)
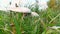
(29, 24)
(15, 23)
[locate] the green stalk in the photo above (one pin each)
(15, 21)
(17, 26)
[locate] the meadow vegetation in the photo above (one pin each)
(14, 22)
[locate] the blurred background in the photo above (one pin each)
(30, 17)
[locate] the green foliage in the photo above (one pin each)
(28, 24)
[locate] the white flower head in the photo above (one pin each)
(21, 9)
(55, 27)
(34, 14)
(42, 5)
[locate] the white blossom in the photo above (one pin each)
(5, 4)
(34, 14)
(20, 9)
(43, 5)
(13, 2)
(55, 27)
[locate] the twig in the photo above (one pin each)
(54, 18)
